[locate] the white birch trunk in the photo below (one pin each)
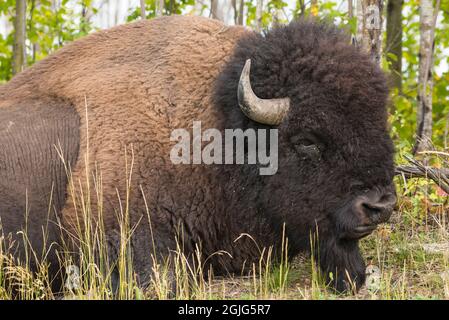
(259, 13)
(217, 9)
(350, 9)
(142, 10)
(160, 4)
(427, 19)
(369, 27)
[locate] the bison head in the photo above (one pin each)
(328, 100)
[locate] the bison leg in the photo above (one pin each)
(35, 134)
(149, 264)
(342, 263)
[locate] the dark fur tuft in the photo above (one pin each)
(338, 95)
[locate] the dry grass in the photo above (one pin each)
(409, 254)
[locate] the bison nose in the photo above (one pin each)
(375, 207)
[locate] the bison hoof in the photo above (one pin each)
(343, 264)
(346, 283)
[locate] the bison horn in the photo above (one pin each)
(266, 111)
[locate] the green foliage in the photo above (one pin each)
(404, 104)
(5, 58)
(6, 43)
(49, 27)
(441, 86)
(170, 7)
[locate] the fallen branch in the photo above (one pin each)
(418, 170)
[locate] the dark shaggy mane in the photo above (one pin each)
(303, 60)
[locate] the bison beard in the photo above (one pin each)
(342, 261)
(138, 82)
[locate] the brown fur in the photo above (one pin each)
(132, 85)
(33, 177)
(140, 81)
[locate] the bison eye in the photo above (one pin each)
(305, 142)
(308, 152)
(307, 147)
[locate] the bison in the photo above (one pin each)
(126, 89)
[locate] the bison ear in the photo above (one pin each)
(266, 111)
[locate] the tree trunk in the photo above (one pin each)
(19, 53)
(241, 12)
(394, 41)
(238, 7)
(213, 9)
(116, 13)
(160, 4)
(216, 9)
(369, 27)
(259, 12)
(350, 9)
(142, 10)
(171, 7)
(427, 21)
(234, 7)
